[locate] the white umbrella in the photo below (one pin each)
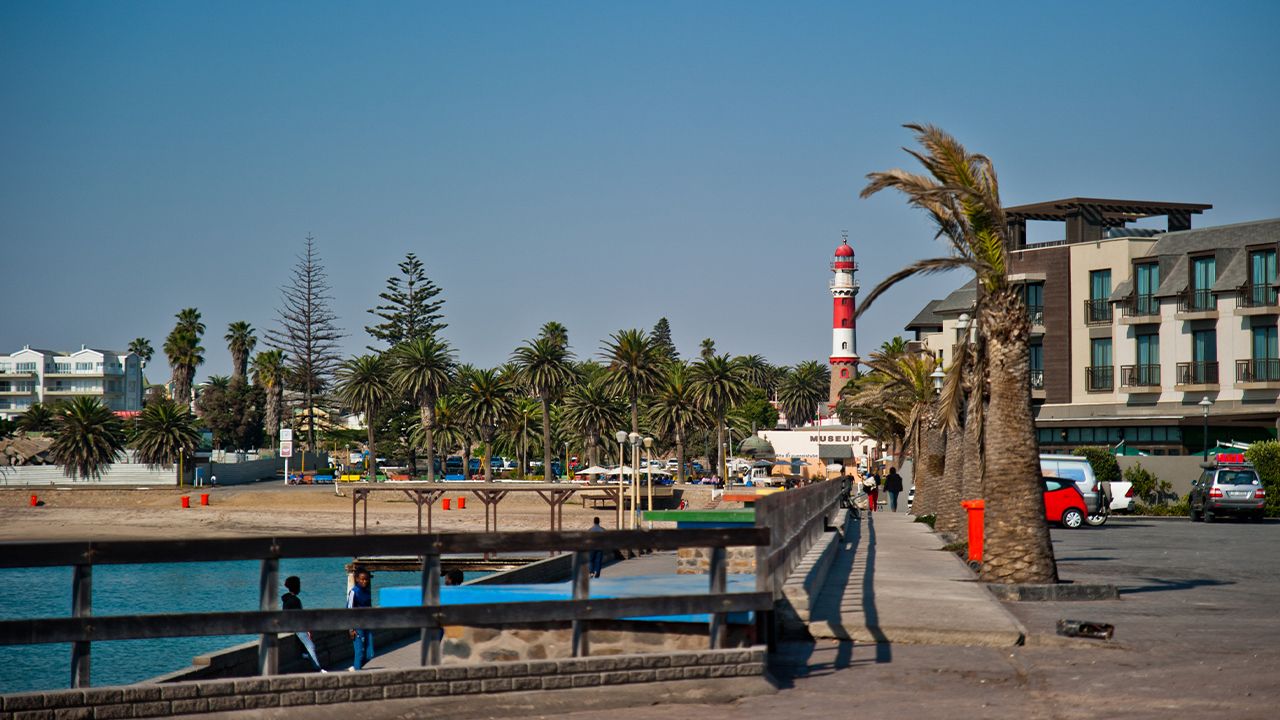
(593, 470)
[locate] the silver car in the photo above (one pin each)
(1227, 490)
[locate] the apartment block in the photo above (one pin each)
(1133, 329)
(33, 375)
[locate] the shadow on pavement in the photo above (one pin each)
(1160, 585)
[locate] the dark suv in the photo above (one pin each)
(1227, 489)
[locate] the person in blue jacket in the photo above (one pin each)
(360, 595)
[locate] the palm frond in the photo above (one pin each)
(919, 267)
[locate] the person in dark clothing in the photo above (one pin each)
(291, 601)
(597, 556)
(453, 577)
(360, 595)
(893, 486)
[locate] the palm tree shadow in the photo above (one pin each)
(1160, 585)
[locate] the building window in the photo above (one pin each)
(1265, 360)
(1261, 290)
(1204, 273)
(1099, 373)
(844, 372)
(844, 346)
(1203, 368)
(1033, 293)
(1147, 279)
(1098, 307)
(1037, 365)
(845, 322)
(1146, 373)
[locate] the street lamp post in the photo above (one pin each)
(635, 475)
(567, 474)
(487, 431)
(937, 376)
(648, 452)
(621, 436)
(1205, 403)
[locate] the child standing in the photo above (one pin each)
(360, 595)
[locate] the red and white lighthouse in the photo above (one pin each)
(844, 337)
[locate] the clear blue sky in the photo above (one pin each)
(599, 164)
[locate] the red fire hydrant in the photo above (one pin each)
(977, 511)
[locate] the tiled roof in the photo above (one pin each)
(926, 318)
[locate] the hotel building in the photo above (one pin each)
(31, 375)
(1134, 328)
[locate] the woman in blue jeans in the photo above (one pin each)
(357, 597)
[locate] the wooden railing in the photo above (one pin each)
(797, 518)
(84, 628)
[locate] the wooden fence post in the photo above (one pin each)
(581, 591)
(81, 606)
(268, 590)
(718, 584)
(431, 597)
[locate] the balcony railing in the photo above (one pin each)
(1140, 376)
(1036, 313)
(1258, 296)
(1258, 370)
(1097, 311)
(1140, 306)
(1197, 373)
(1198, 301)
(1037, 379)
(1099, 378)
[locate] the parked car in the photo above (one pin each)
(453, 465)
(1230, 487)
(1078, 470)
(1063, 502)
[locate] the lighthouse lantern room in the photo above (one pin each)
(844, 344)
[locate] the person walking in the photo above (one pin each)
(893, 486)
(597, 556)
(871, 486)
(360, 595)
(291, 601)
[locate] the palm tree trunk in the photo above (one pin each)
(722, 464)
(1017, 547)
(545, 397)
(466, 458)
(972, 487)
(429, 431)
(950, 515)
(635, 412)
(679, 456)
(488, 468)
(372, 464)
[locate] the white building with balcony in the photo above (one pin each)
(33, 375)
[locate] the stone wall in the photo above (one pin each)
(154, 700)
(553, 640)
(697, 561)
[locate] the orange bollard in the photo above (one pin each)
(204, 499)
(462, 503)
(446, 503)
(977, 512)
(34, 501)
(186, 501)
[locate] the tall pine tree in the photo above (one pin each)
(411, 310)
(662, 339)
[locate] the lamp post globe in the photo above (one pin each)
(1205, 403)
(937, 376)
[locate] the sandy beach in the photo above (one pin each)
(269, 508)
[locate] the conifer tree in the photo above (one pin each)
(410, 310)
(662, 339)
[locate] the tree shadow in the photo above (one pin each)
(1161, 585)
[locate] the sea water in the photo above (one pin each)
(27, 593)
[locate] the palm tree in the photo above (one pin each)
(961, 195)
(555, 332)
(87, 438)
(421, 368)
(718, 384)
(546, 366)
(240, 341)
(448, 430)
(674, 409)
(189, 320)
(36, 418)
(707, 349)
(524, 428)
(592, 411)
(166, 434)
(803, 389)
(635, 367)
(269, 373)
(142, 348)
(487, 400)
(185, 354)
(218, 382)
(364, 385)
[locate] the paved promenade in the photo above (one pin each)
(892, 582)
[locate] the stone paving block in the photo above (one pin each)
(41, 714)
(402, 690)
(477, 672)
(158, 708)
(365, 693)
(137, 694)
(183, 691)
(557, 682)
(586, 680)
(322, 681)
(451, 672)
(696, 671)
(641, 676)
(298, 697)
(326, 696)
(253, 685)
(197, 705)
(30, 701)
(433, 689)
(662, 674)
(543, 667)
(526, 683)
(266, 700)
(656, 661)
(464, 687)
(226, 702)
(287, 683)
(514, 669)
(64, 699)
(75, 713)
(354, 679)
(112, 712)
(220, 689)
(495, 685)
